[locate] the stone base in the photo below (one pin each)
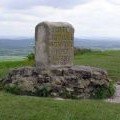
(66, 82)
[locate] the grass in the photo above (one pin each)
(15, 107)
(5, 66)
(108, 60)
(34, 108)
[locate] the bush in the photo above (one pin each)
(12, 89)
(81, 51)
(43, 91)
(31, 56)
(1, 85)
(104, 91)
(84, 51)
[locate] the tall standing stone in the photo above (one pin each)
(54, 44)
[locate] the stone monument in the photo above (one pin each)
(58, 76)
(54, 44)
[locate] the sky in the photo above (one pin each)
(90, 18)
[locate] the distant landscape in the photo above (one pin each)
(20, 47)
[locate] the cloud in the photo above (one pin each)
(115, 2)
(16, 29)
(14, 17)
(95, 18)
(25, 4)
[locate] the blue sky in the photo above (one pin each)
(90, 18)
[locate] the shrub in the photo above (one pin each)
(81, 51)
(1, 85)
(12, 89)
(43, 91)
(105, 91)
(31, 56)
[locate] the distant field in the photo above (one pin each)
(11, 58)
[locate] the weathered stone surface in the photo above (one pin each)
(67, 82)
(54, 44)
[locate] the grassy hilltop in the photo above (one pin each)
(108, 60)
(14, 107)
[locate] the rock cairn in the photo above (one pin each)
(66, 82)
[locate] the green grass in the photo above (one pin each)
(13, 107)
(108, 60)
(34, 108)
(5, 66)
